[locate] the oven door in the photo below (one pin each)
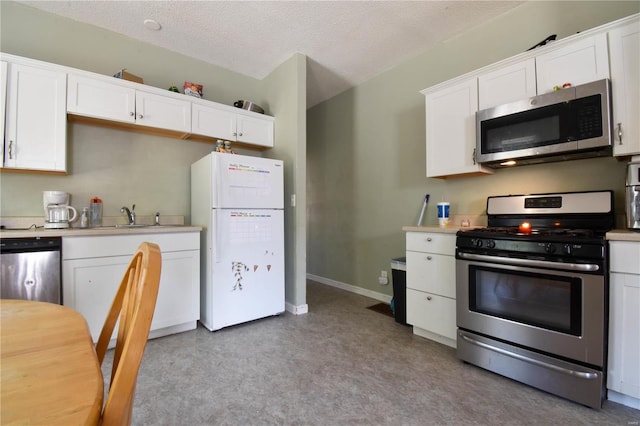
(560, 313)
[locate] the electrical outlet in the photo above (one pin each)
(383, 274)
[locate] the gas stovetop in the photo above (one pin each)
(568, 225)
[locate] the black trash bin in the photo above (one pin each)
(399, 278)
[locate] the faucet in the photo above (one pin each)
(131, 214)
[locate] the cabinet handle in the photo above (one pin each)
(428, 297)
(619, 133)
(240, 134)
(429, 239)
(139, 115)
(10, 150)
(428, 257)
(234, 134)
(131, 114)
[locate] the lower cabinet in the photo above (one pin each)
(623, 376)
(92, 268)
(431, 294)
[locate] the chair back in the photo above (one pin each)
(133, 306)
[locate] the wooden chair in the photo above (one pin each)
(134, 305)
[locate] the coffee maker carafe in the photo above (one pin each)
(57, 211)
(632, 199)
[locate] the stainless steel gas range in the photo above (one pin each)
(532, 292)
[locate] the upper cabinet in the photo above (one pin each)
(4, 67)
(579, 62)
(624, 51)
(92, 97)
(36, 127)
(611, 51)
(507, 84)
(222, 122)
(451, 129)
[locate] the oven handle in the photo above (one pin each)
(586, 267)
(579, 374)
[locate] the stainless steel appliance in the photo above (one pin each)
(532, 292)
(566, 124)
(632, 198)
(30, 269)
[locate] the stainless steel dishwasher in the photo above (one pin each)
(30, 269)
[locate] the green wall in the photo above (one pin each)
(153, 172)
(366, 147)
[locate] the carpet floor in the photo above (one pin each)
(340, 364)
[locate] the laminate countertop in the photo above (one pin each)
(100, 230)
(613, 235)
(623, 235)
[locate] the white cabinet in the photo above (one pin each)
(36, 126)
(92, 268)
(623, 379)
(507, 84)
(579, 62)
(624, 51)
(231, 125)
(97, 98)
(431, 294)
(451, 129)
(3, 98)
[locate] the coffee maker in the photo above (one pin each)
(632, 199)
(58, 214)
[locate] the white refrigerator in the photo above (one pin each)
(239, 201)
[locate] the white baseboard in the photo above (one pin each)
(352, 288)
(296, 309)
(623, 399)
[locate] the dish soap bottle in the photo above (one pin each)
(96, 211)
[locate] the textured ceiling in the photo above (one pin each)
(346, 42)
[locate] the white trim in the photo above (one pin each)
(352, 288)
(296, 309)
(623, 399)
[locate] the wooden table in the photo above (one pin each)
(49, 370)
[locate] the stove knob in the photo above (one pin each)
(567, 249)
(477, 242)
(550, 248)
(491, 244)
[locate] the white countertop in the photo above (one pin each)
(623, 235)
(435, 229)
(613, 235)
(101, 230)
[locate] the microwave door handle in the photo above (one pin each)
(473, 156)
(532, 263)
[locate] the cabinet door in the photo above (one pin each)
(255, 131)
(580, 62)
(508, 84)
(624, 335)
(624, 51)
(451, 130)
(162, 112)
(3, 99)
(89, 286)
(431, 312)
(36, 128)
(91, 97)
(213, 122)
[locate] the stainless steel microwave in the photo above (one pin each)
(570, 123)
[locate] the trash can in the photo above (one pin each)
(399, 278)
